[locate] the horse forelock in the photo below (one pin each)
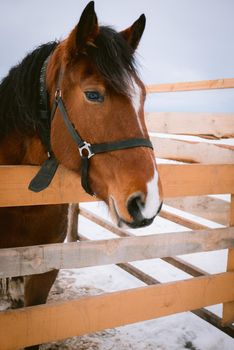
(114, 59)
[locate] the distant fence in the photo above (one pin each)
(213, 173)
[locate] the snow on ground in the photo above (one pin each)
(229, 141)
(176, 332)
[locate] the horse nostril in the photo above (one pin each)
(135, 204)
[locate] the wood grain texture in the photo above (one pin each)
(214, 125)
(65, 187)
(193, 85)
(206, 207)
(196, 179)
(180, 220)
(175, 261)
(192, 152)
(38, 259)
(60, 320)
(104, 223)
(177, 180)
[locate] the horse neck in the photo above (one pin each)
(19, 111)
(19, 149)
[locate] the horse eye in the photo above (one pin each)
(94, 96)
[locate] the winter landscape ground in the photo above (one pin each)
(176, 332)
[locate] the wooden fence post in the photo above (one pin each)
(228, 308)
(72, 229)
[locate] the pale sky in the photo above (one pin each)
(184, 40)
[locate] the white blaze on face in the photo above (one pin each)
(152, 201)
(136, 101)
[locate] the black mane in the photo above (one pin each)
(20, 89)
(20, 93)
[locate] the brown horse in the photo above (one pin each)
(95, 94)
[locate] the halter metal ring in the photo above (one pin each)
(86, 150)
(58, 94)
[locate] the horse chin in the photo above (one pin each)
(135, 224)
(121, 223)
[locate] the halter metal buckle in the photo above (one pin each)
(86, 150)
(58, 94)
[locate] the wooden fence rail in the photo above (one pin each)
(207, 207)
(38, 259)
(191, 86)
(214, 125)
(192, 152)
(178, 262)
(61, 320)
(177, 180)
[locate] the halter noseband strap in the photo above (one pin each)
(86, 150)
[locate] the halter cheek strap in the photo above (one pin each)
(48, 169)
(86, 150)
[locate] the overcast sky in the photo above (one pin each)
(184, 40)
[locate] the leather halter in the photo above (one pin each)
(86, 150)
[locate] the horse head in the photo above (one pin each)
(104, 100)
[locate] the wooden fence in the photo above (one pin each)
(208, 169)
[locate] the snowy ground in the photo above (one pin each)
(176, 332)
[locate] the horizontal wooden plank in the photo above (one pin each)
(177, 180)
(65, 187)
(196, 179)
(181, 220)
(215, 125)
(215, 321)
(42, 258)
(104, 223)
(185, 266)
(193, 85)
(175, 261)
(44, 323)
(192, 152)
(203, 313)
(209, 208)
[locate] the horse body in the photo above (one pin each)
(20, 144)
(104, 98)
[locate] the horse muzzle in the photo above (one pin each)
(136, 208)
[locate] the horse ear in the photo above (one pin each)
(87, 28)
(134, 33)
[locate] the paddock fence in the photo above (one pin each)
(203, 169)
